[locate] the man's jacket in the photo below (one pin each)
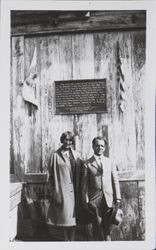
(96, 183)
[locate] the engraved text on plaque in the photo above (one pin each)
(80, 96)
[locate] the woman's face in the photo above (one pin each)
(67, 143)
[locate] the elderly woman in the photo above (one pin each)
(64, 177)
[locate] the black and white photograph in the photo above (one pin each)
(78, 146)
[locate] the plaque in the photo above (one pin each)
(80, 96)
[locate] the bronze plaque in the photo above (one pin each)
(80, 96)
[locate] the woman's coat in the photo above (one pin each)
(64, 189)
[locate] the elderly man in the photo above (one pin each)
(100, 186)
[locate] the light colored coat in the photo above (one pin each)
(64, 189)
(94, 184)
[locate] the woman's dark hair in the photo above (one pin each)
(67, 134)
(99, 138)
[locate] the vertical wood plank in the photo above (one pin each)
(44, 80)
(29, 150)
(141, 208)
(138, 75)
(53, 75)
(104, 57)
(83, 68)
(65, 73)
(18, 106)
(129, 117)
(11, 117)
(120, 134)
(33, 144)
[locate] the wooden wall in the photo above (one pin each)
(35, 132)
(79, 56)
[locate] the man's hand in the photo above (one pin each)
(118, 203)
(90, 209)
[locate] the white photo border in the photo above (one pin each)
(150, 7)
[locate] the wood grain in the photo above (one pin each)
(33, 146)
(104, 20)
(18, 107)
(83, 68)
(138, 74)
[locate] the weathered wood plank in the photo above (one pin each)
(14, 178)
(29, 150)
(107, 21)
(44, 82)
(132, 175)
(83, 68)
(33, 146)
(65, 73)
(35, 178)
(53, 74)
(104, 67)
(36, 116)
(11, 117)
(126, 119)
(128, 124)
(138, 175)
(18, 108)
(43, 15)
(138, 75)
(141, 208)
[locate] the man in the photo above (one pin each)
(64, 172)
(99, 187)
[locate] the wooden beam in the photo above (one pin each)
(36, 178)
(132, 175)
(123, 176)
(46, 23)
(31, 17)
(14, 178)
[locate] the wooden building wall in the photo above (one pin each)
(35, 132)
(79, 56)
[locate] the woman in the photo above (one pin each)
(64, 176)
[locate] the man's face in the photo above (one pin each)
(99, 147)
(67, 143)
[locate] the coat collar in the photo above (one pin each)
(59, 151)
(93, 162)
